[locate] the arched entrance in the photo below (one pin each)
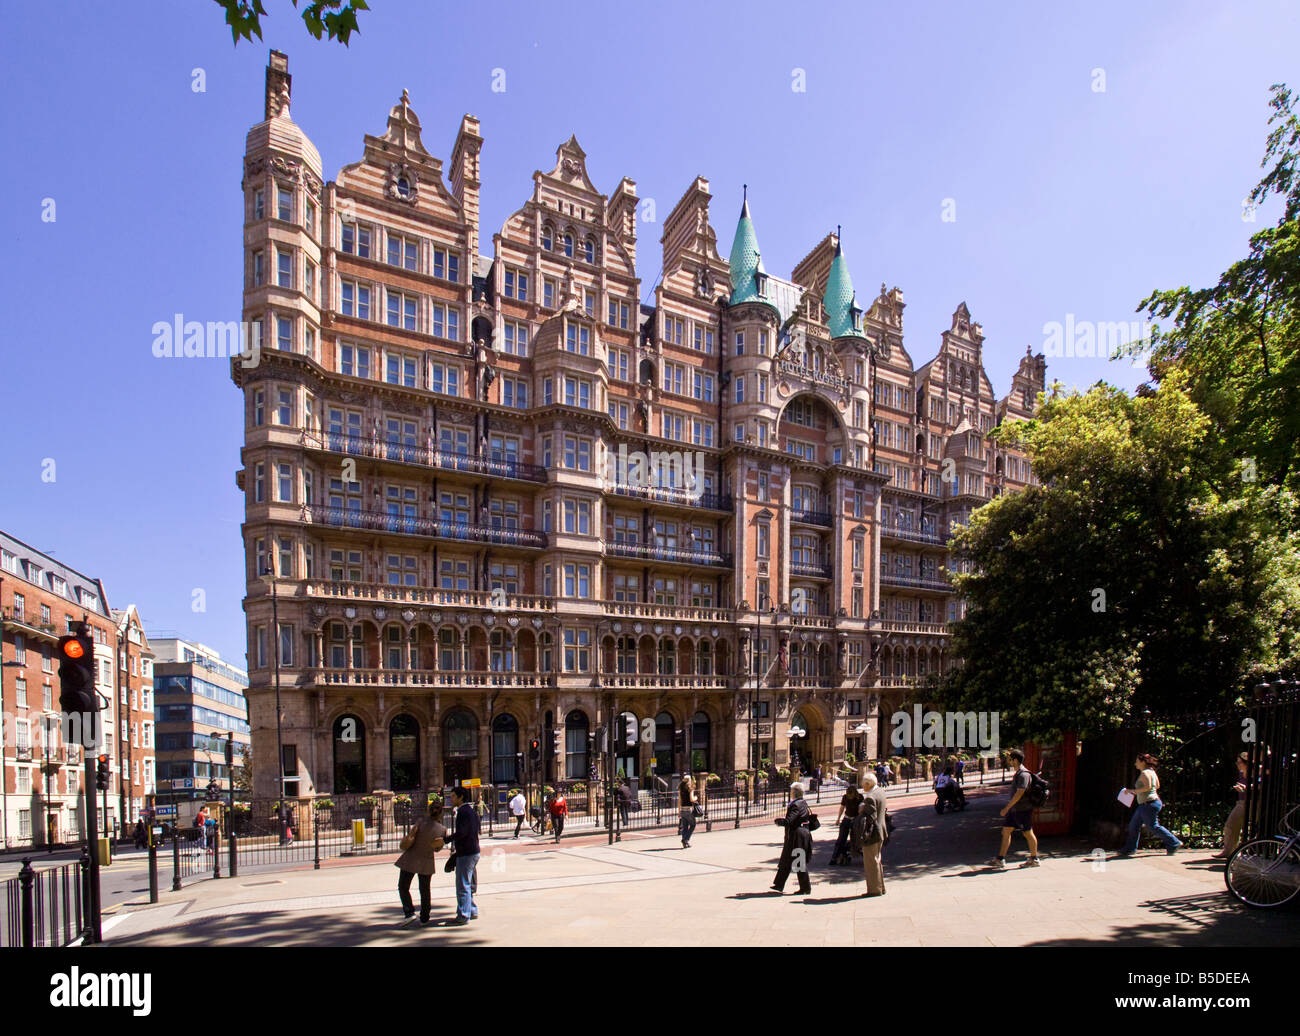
(403, 753)
(801, 746)
(349, 755)
(460, 741)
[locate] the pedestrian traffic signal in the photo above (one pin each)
(77, 673)
(535, 750)
(101, 773)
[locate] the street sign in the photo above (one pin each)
(164, 811)
(471, 782)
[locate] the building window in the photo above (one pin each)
(401, 310)
(400, 371)
(516, 285)
(284, 204)
(577, 393)
(354, 360)
(514, 393)
(283, 268)
(577, 650)
(356, 240)
(515, 339)
(444, 379)
(355, 300)
(402, 251)
(446, 322)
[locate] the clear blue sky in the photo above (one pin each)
(1068, 201)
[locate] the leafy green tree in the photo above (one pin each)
(1239, 341)
(334, 18)
(1126, 578)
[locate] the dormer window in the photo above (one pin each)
(760, 283)
(855, 317)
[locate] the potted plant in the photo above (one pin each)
(325, 803)
(712, 778)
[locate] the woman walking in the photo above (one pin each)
(559, 810)
(686, 801)
(1232, 827)
(420, 850)
(1147, 806)
(796, 852)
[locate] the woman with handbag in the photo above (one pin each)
(690, 810)
(796, 853)
(419, 850)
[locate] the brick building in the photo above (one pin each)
(490, 495)
(41, 777)
(135, 758)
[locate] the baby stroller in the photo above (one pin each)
(948, 793)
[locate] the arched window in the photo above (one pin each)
(575, 745)
(349, 755)
(664, 755)
(568, 245)
(626, 652)
(548, 236)
(667, 657)
(502, 653)
(460, 735)
(589, 250)
(403, 753)
(505, 745)
(704, 658)
(448, 656)
(700, 742)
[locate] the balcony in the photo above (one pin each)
(496, 465)
(676, 497)
(676, 555)
(822, 518)
(659, 681)
(429, 595)
(903, 626)
(667, 612)
(915, 583)
(426, 678)
(912, 536)
(825, 622)
(811, 682)
(24, 621)
(811, 570)
(402, 525)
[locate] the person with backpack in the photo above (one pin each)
(1146, 809)
(1028, 790)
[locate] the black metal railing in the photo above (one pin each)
(415, 525)
(824, 518)
(677, 554)
(709, 501)
(43, 908)
(922, 583)
(814, 569)
(496, 463)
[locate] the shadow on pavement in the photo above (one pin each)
(1216, 919)
(360, 926)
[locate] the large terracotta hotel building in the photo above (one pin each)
(492, 495)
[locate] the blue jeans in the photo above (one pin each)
(466, 885)
(1147, 814)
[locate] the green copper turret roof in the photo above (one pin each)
(839, 298)
(746, 261)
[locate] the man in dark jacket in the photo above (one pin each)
(465, 843)
(796, 851)
(875, 833)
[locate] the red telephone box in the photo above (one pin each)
(1058, 763)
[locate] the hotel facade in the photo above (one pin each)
(492, 496)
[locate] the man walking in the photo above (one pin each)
(517, 807)
(850, 803)
(465, 840)
(625, 797)
(875, 834)
(1019, 814)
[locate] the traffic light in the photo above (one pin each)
(77, 673)
(535, 750)
(101, 773)
(559, 739)
(631, 729)
(230, 751)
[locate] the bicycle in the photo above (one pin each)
(1265, 873)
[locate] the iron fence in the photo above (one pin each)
(43, 908)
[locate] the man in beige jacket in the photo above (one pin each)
(875, 833)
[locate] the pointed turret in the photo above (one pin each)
(747, 273)
(843, 315)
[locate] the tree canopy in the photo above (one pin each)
(333, 18)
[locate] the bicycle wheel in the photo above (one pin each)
(1264, 873)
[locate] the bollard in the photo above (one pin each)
(176, 862)
(87, 896)
(233, 867)
(315, 833)
(153, 871)
(26, 877)
(216, 854)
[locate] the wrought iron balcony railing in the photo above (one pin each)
(678, 497)
(429, 595)
(925, 583)
(813, 569)
(673, 554)
(413, 525)
(495, 464)
(823, 518)
(912, 535)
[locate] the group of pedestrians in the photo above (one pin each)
(863, 822)
(419, 859)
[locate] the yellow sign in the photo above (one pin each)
(358, 834)
(471, 782)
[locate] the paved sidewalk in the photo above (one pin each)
(649, 891)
